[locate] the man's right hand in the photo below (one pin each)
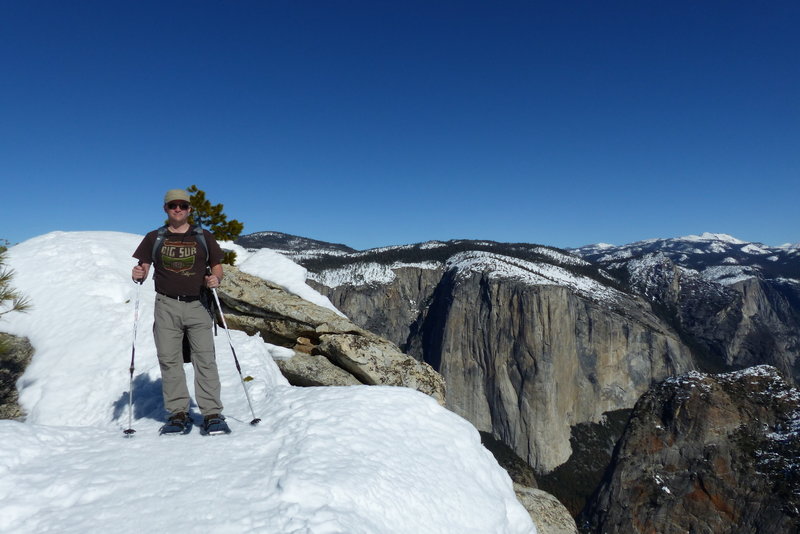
(139, 273)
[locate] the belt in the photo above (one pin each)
(181, 298)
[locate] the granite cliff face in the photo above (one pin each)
(527, 362)
(706, 453)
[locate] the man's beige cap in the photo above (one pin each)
(176, 194)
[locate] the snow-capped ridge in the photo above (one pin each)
(533, 273)
(378, 266)
(729, 274)
(710, 236)
(718, 257)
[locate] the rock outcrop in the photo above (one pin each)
(707, 453)
(769, 329)
(330, 349)
(15, 354)
(547, 512)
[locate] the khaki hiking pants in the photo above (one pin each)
(172, 317)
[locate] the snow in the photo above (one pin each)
(306, 254)
(695, 244)
(353, 460)
(728, 274)
(690, 380)
(366, 273)
(432, 244)
(651, 272)
(533, 273)
(658, 480)
(560, 257)
(277, 268)
(709, 236)
(622, 254)
(358, 274)
(754, 249)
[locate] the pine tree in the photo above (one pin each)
(211, 217)
(7, 293)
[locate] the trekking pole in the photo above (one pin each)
(130, 431)
(255, 420)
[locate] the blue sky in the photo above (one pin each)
(379, 123)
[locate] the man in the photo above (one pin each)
(180, 276)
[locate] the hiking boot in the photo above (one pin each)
(214, 424)
(180, 417)
(178, 423)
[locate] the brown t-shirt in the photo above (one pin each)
(180, 268)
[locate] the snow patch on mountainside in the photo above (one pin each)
(728, 274)
(619, 255)
(499, 266)
(496, 265)
(754, 249)
(560, 257)
(432, 244)
(368, 273)
(358, 274)
(650, 273)
(309, 254)
(709, 237)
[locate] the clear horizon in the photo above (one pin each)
(375, 124)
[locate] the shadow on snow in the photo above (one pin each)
(147, 400)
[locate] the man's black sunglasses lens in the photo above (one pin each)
(183, 205)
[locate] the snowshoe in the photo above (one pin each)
(179, 423)
(214, 425)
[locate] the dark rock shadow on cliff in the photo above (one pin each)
(147, 400)
(575, 481)
(434, 325)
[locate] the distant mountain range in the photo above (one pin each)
(288, 243)
(719, 257)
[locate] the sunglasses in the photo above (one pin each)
(183, 205)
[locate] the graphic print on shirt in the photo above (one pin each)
(178, 256)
